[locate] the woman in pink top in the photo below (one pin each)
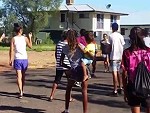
(131, 57)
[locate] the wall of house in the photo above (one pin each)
(85, 23)
(55, 23)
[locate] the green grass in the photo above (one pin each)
(38, 48)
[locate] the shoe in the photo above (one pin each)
(114, 94)
(64, 112)
(78, 84)
(120, 91)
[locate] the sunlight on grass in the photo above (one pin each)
(38, 48)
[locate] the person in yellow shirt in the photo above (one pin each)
(89, 52)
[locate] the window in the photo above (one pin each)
(63, 18)
(113, 19)
(100, 21)
(84, 15)
(123, 31)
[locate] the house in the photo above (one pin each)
(73, 16)
(135, 19)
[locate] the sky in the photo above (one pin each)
(135, 8)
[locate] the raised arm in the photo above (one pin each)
(29, 40)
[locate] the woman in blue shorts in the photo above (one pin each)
(18, 55)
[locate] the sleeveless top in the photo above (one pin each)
(20, 47)
(130, 61)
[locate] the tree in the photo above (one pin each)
(32, 14)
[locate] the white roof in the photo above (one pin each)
(136, 18)
(87, 8)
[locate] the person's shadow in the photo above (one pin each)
(21, 109)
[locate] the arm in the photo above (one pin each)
(3, 36)
(124, 78)
(29, 41)
(11, 52)
(62, 59)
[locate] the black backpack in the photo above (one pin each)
(142, 81)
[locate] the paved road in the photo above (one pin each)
(37, 90)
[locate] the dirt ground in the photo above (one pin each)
(43, 59)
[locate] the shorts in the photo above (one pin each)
(87, 61)
(134, 100)
(116, 64)
(105, 55)
(77, 74)
(21, 64)
(59, 74)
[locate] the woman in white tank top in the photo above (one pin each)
(18, 55)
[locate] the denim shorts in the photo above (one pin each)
(116, 64)
(87, 61)
(21, 64)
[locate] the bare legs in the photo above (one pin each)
(55, 85)
(20, 80)
(84, 93)
(84, 72)
(116, 80)
(106, 63)
(53, 91)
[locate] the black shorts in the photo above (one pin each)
(134, 100)
(59, 74)
(77, 74)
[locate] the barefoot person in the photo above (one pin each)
(89, 52)
(74, 55)
(18, 55)
(60, 69)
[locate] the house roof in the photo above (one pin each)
(87, 8)
(136, 18)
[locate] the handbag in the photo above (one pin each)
(142, 81)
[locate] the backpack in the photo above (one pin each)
(142, 81)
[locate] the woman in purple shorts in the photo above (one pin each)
(131, 57)
(18, 55)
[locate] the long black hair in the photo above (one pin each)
(136, 38)
(17, 27)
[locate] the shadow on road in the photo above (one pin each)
(21, 109)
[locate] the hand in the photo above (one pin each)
(125, 98)
(10, 63)
(30, 35)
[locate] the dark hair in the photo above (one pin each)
(82, 32)
(136, 37)
(115, 26)
(64, 35)
(89, 37)
(17, 27)
(104, 34)
(72, 40)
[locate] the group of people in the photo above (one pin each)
(127, 60)
(74, 54)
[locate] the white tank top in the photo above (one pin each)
(20, 47)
